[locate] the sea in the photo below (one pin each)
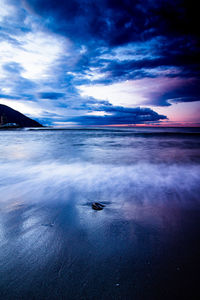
(142, 245)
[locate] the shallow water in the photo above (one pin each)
(143, 245)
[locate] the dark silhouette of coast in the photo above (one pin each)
(10, 118)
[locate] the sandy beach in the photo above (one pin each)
(142, 245)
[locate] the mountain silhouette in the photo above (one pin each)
(9, 115)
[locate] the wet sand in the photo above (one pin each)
(142, 245)
(69, 251)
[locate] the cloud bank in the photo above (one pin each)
(80, 61)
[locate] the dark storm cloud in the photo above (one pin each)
(162, 53)
(185, 93)
(127, 68)
(51, 95)
(108, 24)
(120, 115)
(7, 96)
(117, 22)
(184, 99)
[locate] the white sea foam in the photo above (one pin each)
(51, 181)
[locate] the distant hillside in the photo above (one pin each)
(10, 115)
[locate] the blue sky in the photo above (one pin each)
(101, 62)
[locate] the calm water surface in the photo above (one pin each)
(143, 245)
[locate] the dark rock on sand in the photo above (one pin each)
(97, 206)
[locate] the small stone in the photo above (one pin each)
(97, 206)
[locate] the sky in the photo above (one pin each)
(101, 62)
